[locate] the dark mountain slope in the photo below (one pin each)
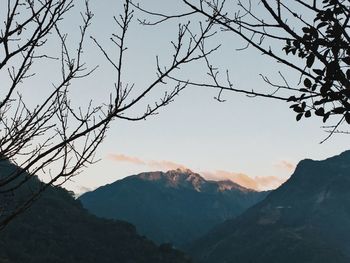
(307, 219)
(58, 229)
(176, 206)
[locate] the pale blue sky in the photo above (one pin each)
(253, 136)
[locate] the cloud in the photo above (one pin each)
(165, 165)
(125, 158)
(80, 189)
(153, 164)
(285, 165)
(256, 183)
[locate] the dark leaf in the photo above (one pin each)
(347, 117)
(292, 98)
(319, 112)
(324, 89)
(306, 29)
(307, 83)
(296, 44)
(299, 116)
(298, 109)
(310, 60)
(326, 116)
(318, 71)
(308, 114)
(339, 110)
(314, 32)
(322, 24)
(318, 102)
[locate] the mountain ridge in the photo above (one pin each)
(175, 206)
(56, 228)
(306, 219)
(185, 177)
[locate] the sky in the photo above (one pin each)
(254, 141)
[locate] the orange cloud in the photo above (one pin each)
(161, 165)
(125, 158)
(285, 165)
(165, 165)
(256, 183)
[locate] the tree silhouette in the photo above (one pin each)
(50, 134)
(309, 37)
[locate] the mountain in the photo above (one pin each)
(57, 229)
(177, 206)
(307, 219)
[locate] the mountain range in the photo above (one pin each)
(57, 229)
(306, 220)
(177, 206)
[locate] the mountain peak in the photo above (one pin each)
(167, 206)
(185, 178)
(312, 171)
(183, 170)
(293, 222)
(180, 177)
(227, 185)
